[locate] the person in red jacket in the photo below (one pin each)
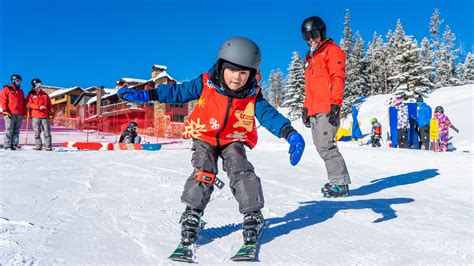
(12, 101)
(325, 74)
(41, 110)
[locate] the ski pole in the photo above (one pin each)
(27, 122)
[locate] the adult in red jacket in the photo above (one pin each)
(325, 74)
(12, 100)
(41, 110)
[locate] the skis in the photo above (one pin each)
(249, 252)
(186, 253)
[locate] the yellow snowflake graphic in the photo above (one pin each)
(201, 102)
(193, 129)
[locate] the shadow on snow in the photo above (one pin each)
(314, 212)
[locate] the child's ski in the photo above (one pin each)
(249, 252)
(186, 253)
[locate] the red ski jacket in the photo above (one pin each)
(37, 99)
(325, 74)
(12, 100)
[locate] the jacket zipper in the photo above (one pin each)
(229, 105)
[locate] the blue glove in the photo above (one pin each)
(132, 95)
(296, 147)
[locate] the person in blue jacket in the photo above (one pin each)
(221, 124)
(423, 122)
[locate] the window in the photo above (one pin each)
(178, 118)
(176, 105)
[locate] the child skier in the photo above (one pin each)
(402, 124)
(376, 133)
(129, 135)
(221, 125)
(444, 125)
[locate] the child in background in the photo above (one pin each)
(444, 125)
(376, 132)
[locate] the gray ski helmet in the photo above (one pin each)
(240, 51)
(133, 124)
(439, 109)
(15, 77)
(35, 81)
(313, 27)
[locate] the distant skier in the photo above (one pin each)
(444, 125)
(130, 135)
(12, 101)
(325, 75)
(41, 110)
(376, 132)
(402, 122)
(423, 123)
(221, 125)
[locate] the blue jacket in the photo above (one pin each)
(266, 114)
(423, 115)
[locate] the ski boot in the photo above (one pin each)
(335, 191)
(190, 225)
(253, 225)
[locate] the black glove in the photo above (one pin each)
(305, 117)
(334, 115)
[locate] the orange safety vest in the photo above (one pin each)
(219, 120)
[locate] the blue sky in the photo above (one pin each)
(96, 42)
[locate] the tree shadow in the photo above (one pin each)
(394, 181)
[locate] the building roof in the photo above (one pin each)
(107, 93)
(162, 67)
(62, 91)
(84, 94)
(133, 80)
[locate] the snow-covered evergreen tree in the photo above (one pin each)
(295, 87)
(427, 57)
(376, 65)
(411, 77)
(446, 60)
(465, 70)
(435, 23)
(266, 91)
(276, 87)
(347, 42)
(357, 79)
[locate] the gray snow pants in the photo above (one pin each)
(244, 183)
(324, 139)
(42, 125)
(12, 130)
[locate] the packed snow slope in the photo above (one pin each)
(123, 207)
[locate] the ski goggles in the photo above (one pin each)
(312, 34)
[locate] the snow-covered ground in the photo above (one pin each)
(123, 207)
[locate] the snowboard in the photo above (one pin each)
(434, 134)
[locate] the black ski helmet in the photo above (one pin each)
(313, 27)
(35, 81)
(15, 77)
(133, 124)
(240, 51)
(439, 109)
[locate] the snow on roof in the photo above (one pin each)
(133, 80)
(62, 91)
(162, 75)
(160, 67)
(107, 93)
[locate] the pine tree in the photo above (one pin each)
(266, 91)
(427, 57)
(435, 23)
(347, 42)
(295, 87)
(357, 78)
(376, 65)
(447, 56)
(276, 87)
(466, 70)
(411, 77)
